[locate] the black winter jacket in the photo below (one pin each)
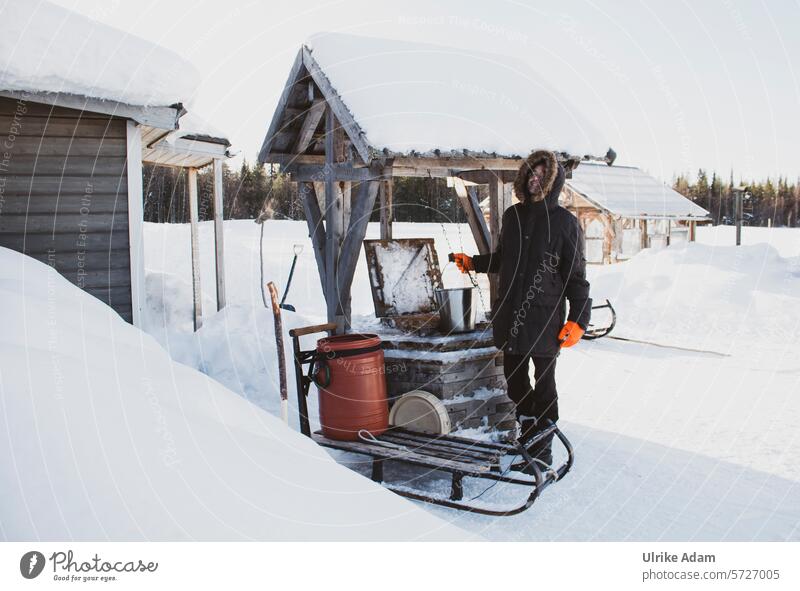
(541, 264)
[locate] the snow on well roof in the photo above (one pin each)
(630, 192)
(47, 48)
(420, 97)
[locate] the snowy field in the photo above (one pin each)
(670, 444)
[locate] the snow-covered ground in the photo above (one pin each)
(103, 436)
(670, 444)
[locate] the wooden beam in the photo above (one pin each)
(194, 226)
(468, 198)
(283, 101)
(346, 188)
(316, 227)
(219, 235)
(340, 110)
(333, 225)
(340, 172)
(351, 247)
(386, 192)
(309, 126)
(643, 232)
(484, 177)
(135, 220)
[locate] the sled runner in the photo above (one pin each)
(595, 332)
(459, 457)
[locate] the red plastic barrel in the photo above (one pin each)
(352, 386)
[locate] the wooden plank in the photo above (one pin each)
(77, 127)
(38, 184)
(133, 134)
(68, 224)
(30, 243)
(333, 227)
(347, 193)
(468, 198)
(89, 260)
(309, 126)
(373, 450)
(65, 164)
(342, 171)
(339, 109)
(277, 118)
(316, 228)
(306, 330)
(219, 235)
(195, 241)
(64, 204)
(73, 146)
(386, 193)
(484, 177)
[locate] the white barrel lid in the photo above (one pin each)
(421, 411)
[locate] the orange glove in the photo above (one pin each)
(463, 262)
(570, 334)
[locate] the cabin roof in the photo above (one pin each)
(629, 192)
(48, 48)
(396, 98)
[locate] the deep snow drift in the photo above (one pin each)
(103, 436)
(670, 444)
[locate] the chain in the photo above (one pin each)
(472, 276)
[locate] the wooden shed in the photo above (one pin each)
(357, 112)
(623, 210)
(73, 144)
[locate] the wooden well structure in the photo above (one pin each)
(316, 138)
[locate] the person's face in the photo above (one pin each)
(535, 179)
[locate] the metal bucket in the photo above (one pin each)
(457, 311)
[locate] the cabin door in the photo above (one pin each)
(595, 234)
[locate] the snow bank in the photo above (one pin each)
(724, 298)
(105, 437)
(47, 48)
(423, 97)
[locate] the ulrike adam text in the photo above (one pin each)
(685, 557)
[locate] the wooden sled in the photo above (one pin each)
(459, 457)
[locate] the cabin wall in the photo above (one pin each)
(64, 195)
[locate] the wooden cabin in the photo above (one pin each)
(356, 112)
(72, 154)
(623, 210)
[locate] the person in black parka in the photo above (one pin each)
(541, 264)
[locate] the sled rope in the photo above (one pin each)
(676, 347)
(368, 437)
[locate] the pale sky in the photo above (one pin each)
(673, 85)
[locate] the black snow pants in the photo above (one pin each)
(541, 400)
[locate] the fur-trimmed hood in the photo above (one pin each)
(554, 175)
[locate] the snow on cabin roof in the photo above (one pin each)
(421, 97)
(47, 48)
(629, 192)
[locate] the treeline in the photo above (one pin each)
(252, 189)
(775, 203)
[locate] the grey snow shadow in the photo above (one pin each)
(626, 489)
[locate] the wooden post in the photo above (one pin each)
(386, 190)
(643, 233)
(692, 231)
(468, 198)
(219, 235)
(347, 188)
(499, 200)
(194, 224)
(669, 232)
(316, 228)
(333, 225)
